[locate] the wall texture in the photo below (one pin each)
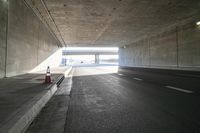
(29, 42)
(177, 48)
(3, 25)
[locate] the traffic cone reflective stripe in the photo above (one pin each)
(48, 76)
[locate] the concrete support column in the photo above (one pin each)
(96, 58)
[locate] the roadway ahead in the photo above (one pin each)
(132, 103)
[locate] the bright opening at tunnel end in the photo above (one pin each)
(89, 56)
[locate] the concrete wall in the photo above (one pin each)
(3, 24)
(29, 42)
(177, 48)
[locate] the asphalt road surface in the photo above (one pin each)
(133, 102)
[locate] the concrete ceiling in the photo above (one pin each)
(110, 22)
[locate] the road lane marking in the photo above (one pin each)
(120, 74)
(179, 89)
(189, 75)
(138, 79)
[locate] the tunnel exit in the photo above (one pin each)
(79, 56)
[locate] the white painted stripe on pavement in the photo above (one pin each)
(138, 79)
(179, 89)
(120, 74)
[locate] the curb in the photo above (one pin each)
(24, 116)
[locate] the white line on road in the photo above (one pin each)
(138, 79)
(120, 74)
(179, 89)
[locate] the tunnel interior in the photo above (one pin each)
(160, 34)
(138, 69)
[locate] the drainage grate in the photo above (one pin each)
(60, 81)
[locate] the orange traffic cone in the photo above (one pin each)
(48, 76)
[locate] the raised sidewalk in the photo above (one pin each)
(22, 97)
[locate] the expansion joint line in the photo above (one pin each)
(53, 21)
(6, 41)
(177, 47)
(42, 19)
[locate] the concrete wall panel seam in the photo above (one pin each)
(6, 50)
(177, 47)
